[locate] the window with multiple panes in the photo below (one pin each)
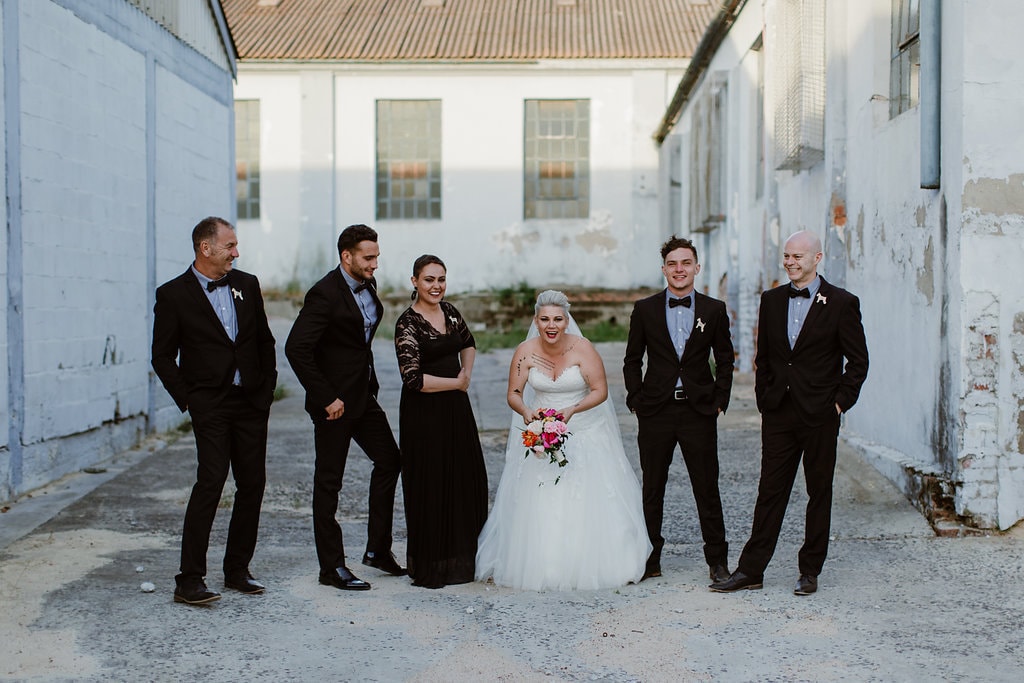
(798, 70)
(905, 64)
(556, 159)
(247, 158)
(408, 159)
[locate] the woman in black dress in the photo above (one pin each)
(443, 475)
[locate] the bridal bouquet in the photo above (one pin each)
(547, 437)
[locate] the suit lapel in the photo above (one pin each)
(818, 304)
(350, 300)
(700, 316)
(662, 335)
(243, 310)
(377, 305)
(202, 302)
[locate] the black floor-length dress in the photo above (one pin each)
(443, 474)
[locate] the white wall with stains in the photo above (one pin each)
(938, 272)
(318, 169)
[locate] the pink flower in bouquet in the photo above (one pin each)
(547, 436)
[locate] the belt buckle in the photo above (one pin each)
(679, 394)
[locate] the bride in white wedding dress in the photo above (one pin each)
(586, 530)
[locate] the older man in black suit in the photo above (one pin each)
(214, 353)
(805, 330)
(678, 399)
(329, 349)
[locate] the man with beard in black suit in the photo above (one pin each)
(330, 350)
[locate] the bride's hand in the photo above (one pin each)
(531, 415)
(567, 413)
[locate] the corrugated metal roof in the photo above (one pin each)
(469, 30)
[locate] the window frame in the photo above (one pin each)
(407, 159)
(905, 57)
(247, 158)
(556, 159)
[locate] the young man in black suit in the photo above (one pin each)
(214, 353)
(805, 329)
(329, 349)
(678, 399)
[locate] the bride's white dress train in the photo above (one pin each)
(585, 532)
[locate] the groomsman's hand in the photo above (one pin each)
(336, 409)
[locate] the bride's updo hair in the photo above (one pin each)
(551, 297)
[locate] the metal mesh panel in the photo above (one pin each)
(799, 70)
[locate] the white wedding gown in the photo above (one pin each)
(585, 532)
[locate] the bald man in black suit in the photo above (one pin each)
(805, 329)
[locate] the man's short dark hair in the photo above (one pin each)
(678, 243)
(206, 230)
(353, 235)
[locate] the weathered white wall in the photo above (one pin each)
(481, 235)
(937, 271)
(992, 251)
(84, 342)
(193, 136)
(123, 141)
(5, 413)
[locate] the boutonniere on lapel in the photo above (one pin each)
(700, 325)
(237, 293)
(820, 299)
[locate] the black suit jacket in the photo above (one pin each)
(812, 371)
(328, 350)
(193, 355)
(647, 392)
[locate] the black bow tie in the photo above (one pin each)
(214, 284)
(684, 302)
(794, 293)
(361, 287)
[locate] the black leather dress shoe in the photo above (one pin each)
(385, 562)
(719, 573)
(343, 579)
(651, 572)
(738, 581)
(244, 583)
(195, 594)
(806, 585)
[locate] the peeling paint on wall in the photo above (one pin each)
(516, 238)
(926, 273)
(598, 235)
(1017, 380)
(979, 458)
(995, 196)
(921, 214)
(859, 232)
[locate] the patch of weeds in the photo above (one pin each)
(280, 391)
(605, 331)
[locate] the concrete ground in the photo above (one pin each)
(896, 603)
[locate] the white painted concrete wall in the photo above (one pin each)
(482, 235)
(991, 163)
(115, 116)
(942, 298)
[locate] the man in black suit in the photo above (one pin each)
(805, 329)
(329, 349)
(214, 353)
(678, 399)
